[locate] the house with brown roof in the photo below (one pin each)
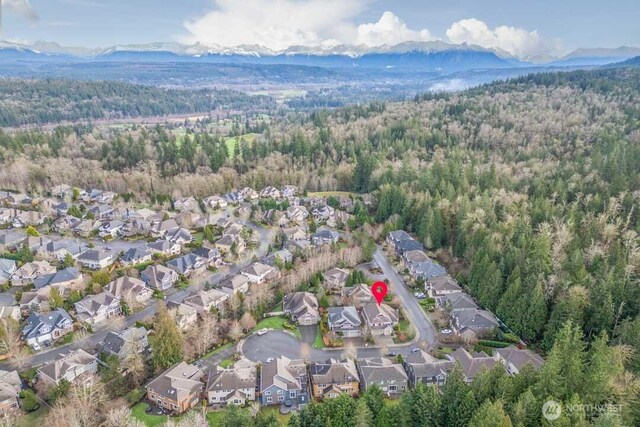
(359, 294)
(334, 377)
(97, 308)
(177, 389)
(10, 387)
(130, 289)
(184, 315)
(237, 283)
(335, 279)
(441, 286)
(30, 271)
(204, 301)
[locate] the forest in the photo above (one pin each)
(530, 186)
(25, 102)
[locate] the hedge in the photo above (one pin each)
(495, 344)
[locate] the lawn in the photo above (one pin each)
(138, 412)
(226, 363)
(214, 417)
(217, 350)
(318, 342)
(278, 323)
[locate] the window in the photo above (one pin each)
(280, 398)
(267, 393)
(269, 399)
(292, 394)
(280, 392)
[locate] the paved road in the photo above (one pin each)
(425, 329)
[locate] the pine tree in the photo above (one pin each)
(167, 343)
(458, 402)
(491, 415)
(363, 416)
(375, 400)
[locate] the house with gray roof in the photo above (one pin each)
(187, 265)
(284, 381)
(235, 385)
(335, 279)
(379, 318)
(473, 363)
(177, 389)
(135, 256)
(64, 280)
(96, 259)
(11, 239)
(204, 301)
(7, 268)
(159, 277)
(390, 377)
(30, 271)
(258, 272)
(164, 247)
(325, 236)
(97, 308)
(130, 290)
(344, 321)
(237, 283)
(427, 270)
(473, 322)
(515, 359)
(441, 286)
(70, 366)
(302, 307)
(47, 327)
(456, 301)
(124, 343)
(334, 377)
(359, 294)
(421, 367)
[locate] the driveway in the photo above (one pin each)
(308, 333)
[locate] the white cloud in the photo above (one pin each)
(517, 41)
(390, 30)
(22, 8)
(276, 24)
(279, 24)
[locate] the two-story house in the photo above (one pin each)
(159, 277)
(177, 389)
(334, 377)
(235, 385)
(48, 327)
(379, 318)
(284, 381)
(70, 366)
(345, 321)
(302, 307)
(421, 367)
(390, 377)
(97, 308)
(96, 259)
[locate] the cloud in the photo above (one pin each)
(279, 24)
(390, 30)
(22, 8)
(517, 41)
(276, 24)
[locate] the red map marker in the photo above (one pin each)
(379, 291)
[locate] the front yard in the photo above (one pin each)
(278, 323)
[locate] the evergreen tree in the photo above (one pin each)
(167, 342)
(490, 415)
(458, 402)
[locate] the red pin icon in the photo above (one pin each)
(379, 291)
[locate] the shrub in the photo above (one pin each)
(495, 344)
(29, 400)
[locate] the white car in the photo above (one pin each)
(36, 346)
(262, 331)
(446, 331)
(420, 295)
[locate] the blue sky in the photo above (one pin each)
(520, 27)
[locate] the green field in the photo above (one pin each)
(138, 412)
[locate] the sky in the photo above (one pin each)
(522, 28)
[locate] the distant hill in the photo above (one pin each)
(632, 62)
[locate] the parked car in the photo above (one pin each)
(446, 331)
(420, 295)
(415, 350)
(263, 331)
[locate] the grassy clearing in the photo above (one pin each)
(138, 412)
(226, 363)
(332, 193)
(231, 142)
(318, 342)
(33, 419)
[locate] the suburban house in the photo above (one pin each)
(388, 376)
(302, 307)
(10, 387)
(228, 242)
(97, 308)
(210, 256)
(164, 247)
(257, 272)
(426, 270)
(187, 265)
(335, 279)
(238, 283)
(129, 290)
(30, 271)
(7, 268)
(441, 286)
(472, 364)
(298, 214)
(113, 228)
(11, 239)
(69, 366)
(473, 322)
(397, 236)
(179, 235)
(178, 389)
(295, 233)
(456, 301)
(515, 359)
(59, 249)
(282, 256)
(333, 378)
(215, 202)
(95, 259)
(46, 327)
(284, 381)
(136, 256)
(380, 319)
(10, 312)
(325, 236)
(413, 257)
(204, 301)
(270, 192)
(234, 385)
(184, 315)
(124, 343)
(65, 281)
(421, 367)
(345, 321)
(33, 302)
(159, 277)
(359, 294)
